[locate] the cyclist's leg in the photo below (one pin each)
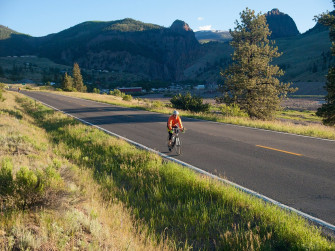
(169, 139)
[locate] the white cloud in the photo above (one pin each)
(205, 28)
(200, 18)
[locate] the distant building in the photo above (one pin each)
(130, 89)
(102, 91)
(199, 87)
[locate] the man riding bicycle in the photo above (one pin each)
(173, 122)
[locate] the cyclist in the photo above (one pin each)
(173, 122)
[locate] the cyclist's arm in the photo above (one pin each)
(180, 124)
(170, 124)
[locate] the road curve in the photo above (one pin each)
(295, 170)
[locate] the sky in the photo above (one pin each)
(42, 17)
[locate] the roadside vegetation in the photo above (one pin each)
(92, 191)
(47, 201)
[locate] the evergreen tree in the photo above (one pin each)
(78, 83)
(250, 81)
(67, 83)
(327, 110)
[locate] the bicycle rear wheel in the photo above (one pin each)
(177, 146)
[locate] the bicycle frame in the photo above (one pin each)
(176, 142)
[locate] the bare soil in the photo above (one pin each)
(311, 104)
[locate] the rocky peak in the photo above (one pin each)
(180, 26)
(274, 12)
(281, 24)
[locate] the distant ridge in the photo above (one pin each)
(127, 46)
(5, 32)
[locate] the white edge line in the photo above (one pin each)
(246, 190)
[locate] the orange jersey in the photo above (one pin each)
(174, 121)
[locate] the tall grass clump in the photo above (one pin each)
(127, 97)
(232, 111)
(191, 211)
(2, 88)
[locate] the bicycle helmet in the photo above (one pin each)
(175, 112)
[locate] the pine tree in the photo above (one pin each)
(251, 81)
(67, 83)
(327, 110)
(78, 83)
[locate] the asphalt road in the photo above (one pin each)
(294, 170)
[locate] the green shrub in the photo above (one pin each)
(127, 98)
(187, 102)
(6, 178)
(117, 93)
(157, 104)
(1, 97)
(232, 111)
(27, 181)
(2, 87)
(96, 90)
(28, 187)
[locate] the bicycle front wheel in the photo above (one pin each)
(177, 146)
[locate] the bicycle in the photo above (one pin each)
(175, 141)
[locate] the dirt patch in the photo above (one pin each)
(310, 104)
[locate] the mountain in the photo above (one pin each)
(132, 51)
(305, 58)
(6, 33)
(212, 35)
(130, 46)
(13, 42)
(280, 24)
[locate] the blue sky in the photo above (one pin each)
(42, 17)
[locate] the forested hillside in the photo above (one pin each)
(128, 51)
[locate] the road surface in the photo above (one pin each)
(294, 170)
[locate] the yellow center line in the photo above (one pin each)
(278, 150)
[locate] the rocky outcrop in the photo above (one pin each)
(180, 27)
(280, 24)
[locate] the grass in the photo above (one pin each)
(69, 210)
(306, 115)
(170, 204)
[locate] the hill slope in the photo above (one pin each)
(122, 46)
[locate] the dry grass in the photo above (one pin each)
(76, 217)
